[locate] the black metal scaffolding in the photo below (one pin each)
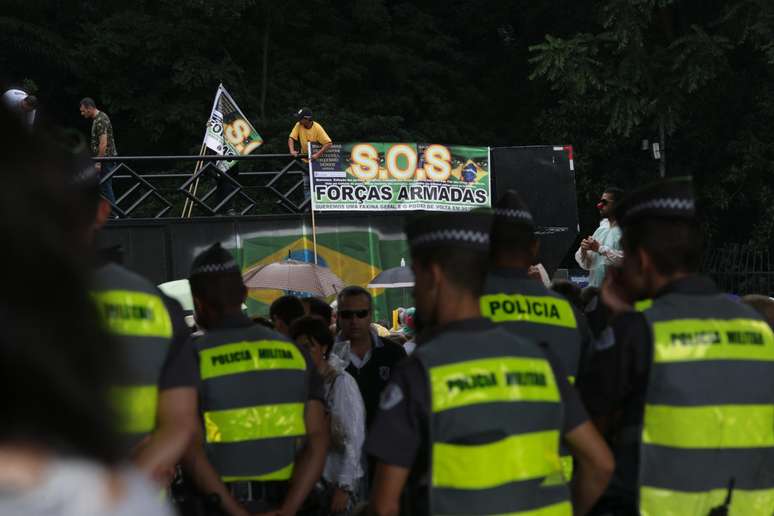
(161, 186)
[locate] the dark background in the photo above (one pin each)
(600, 75)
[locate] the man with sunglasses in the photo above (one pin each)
(603, 248)
(372, 358)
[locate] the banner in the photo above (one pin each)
(228, 130)
(401, 176)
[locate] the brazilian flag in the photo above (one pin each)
(355, 256)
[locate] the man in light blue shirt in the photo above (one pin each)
(603, 248)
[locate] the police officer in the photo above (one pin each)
(156, 397)
(689, 405)
(525, 306)
(475, 415)
(260, 398)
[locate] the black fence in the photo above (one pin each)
(741, 269)
(155, 194)
(185, 186)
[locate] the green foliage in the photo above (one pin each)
(687, 67)
(599, 75)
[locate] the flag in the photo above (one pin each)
(228, 130)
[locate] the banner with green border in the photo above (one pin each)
(401, 176)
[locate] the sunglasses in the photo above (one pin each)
(349, 314)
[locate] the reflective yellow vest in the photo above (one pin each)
(709, 409)
(135, 314)
(253, 394)
(494, 427)
(528, 309)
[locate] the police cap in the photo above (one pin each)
(465, 230)
(214, 260)
(667, 199)
(511, 209)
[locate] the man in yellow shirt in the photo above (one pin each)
(306, 130)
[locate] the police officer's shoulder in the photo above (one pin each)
(630, 328)
(260, 332)
(408, 382)
(111, 273)
(390, 348)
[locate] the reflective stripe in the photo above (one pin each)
(643, 305)
(280, 474)
(721, 426)
(492, 379)
(240, 357)
(712, 339)
(133, 313)
(567, 467)
(664, 502)
(136, 407)
(264, 422)
(536, 309)
(515, 458)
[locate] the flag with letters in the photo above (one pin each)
(228, 130)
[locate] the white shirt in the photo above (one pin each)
(72, 487)
(13, 99)
(610, 253)
(358, 362)
(343, 464)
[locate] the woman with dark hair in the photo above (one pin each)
(343, 469)
(58, 454)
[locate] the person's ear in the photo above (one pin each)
(644, 262)
(437, 275)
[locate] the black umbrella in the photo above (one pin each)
(396, 277)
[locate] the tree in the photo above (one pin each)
(670, 67)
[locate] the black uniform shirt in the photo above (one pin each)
(400, 433)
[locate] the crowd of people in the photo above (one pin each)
(650, 392)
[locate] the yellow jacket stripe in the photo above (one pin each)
(684, 340)
(666, 502)
(735, 426)
(280, 474)
(486, 380)
(241, 357)
(137, 408)
(252, 423)
(135, 314)
(513, 459)
(536, 309)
